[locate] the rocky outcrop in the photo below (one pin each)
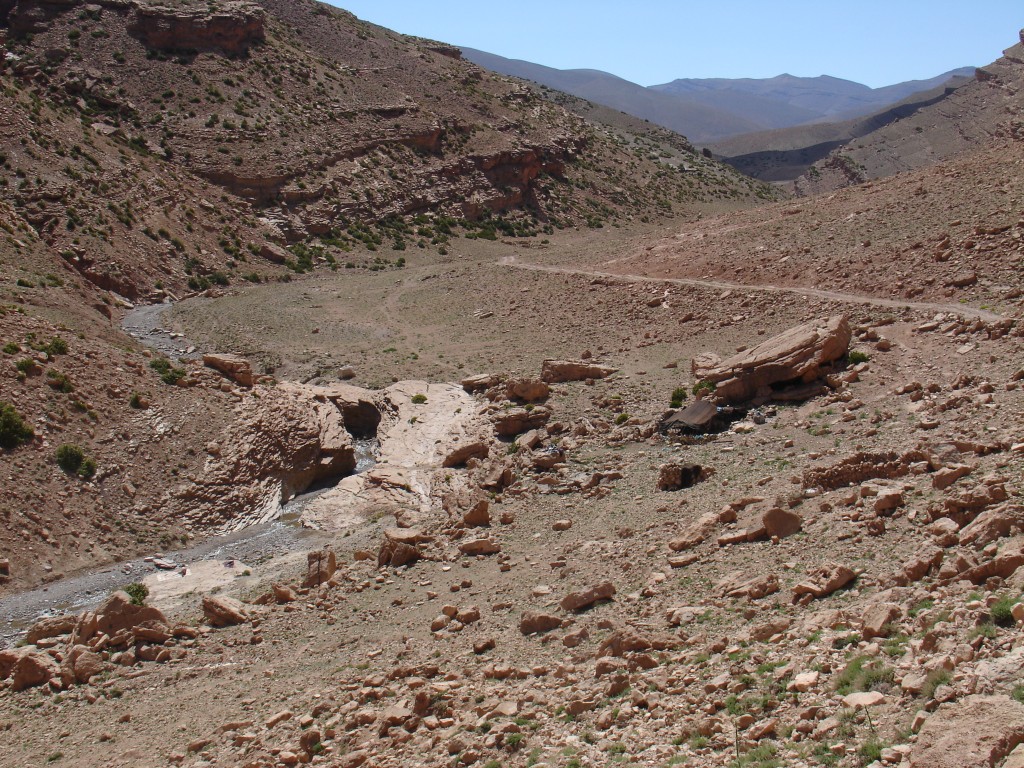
(557, 371)
(288, 438)
(236, 368)
(861, 466)
(977, 732)
(799, 357)
(515, 421)
(233, 28)
(423, 447)
(117, 614)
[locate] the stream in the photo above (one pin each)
(252, 545)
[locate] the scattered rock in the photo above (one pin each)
(224, 611)
(577, 601)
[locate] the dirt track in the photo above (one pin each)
(849, 298)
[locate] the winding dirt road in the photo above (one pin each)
(722, 285)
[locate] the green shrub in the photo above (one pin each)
(135, 401)
(59, 381)
(704, 386)
(13, 429)
(678, 396)
(622, 418)
(871, 750)
(70, 458)
(88, 469)
(57, 346)
(73, 460)
(419, 399)
(863, 673)
(855, 357)
(12, 348)
(168, 373)
(137, 592)
(935, 678)
(26, 366)
(1002, 611)
(925, 605)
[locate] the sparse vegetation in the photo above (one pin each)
(168, 373)
(13, 429)
(704, 386)
(678, 397)
(138, 592)
(73, 460)
(1002, 611)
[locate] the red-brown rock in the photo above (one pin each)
(798, 356)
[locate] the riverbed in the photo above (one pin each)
(248, 547)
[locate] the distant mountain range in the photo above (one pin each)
(710, 110)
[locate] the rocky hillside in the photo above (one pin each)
(156, 151)
(785, 155)
(312, 123)
(989, 108)
(716, 488)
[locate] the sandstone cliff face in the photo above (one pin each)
(233, 28)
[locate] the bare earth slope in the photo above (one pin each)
(970, 118)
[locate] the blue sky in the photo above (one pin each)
(655, 41)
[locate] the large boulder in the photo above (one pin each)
(234, 367)
(515, 421)
(117, 613)
(532, 622)
(320, 567)
(975, 732)
(34, 669)
(557, 371)
(51, 626)
(823, 581)
(292, 436)
(527, 390)
(460, 454)
(799, 356)
(224, 611)
(85, 664)
(584, 598)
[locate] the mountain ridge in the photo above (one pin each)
(707, 110)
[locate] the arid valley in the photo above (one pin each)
(360, 406)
